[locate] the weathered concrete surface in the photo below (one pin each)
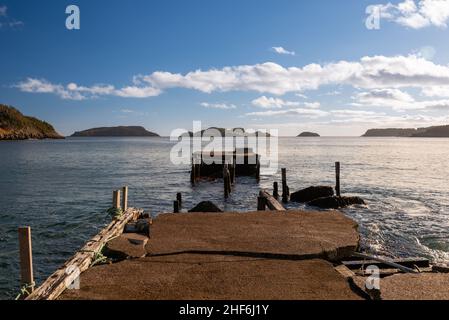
(423, 286)
(257, 255)
(201, 277)
(299, 233)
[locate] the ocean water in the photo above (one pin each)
(62, 189)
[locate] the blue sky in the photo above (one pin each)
(284, 64)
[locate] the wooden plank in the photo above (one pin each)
(26, 258)
(271, 202)
(81, 261)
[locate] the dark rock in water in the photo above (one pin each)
(206, 206)
(312, 193)
(335, 202)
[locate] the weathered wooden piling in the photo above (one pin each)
(261, 203)
(285, 191)
(337, 179)
(116, 199)
(257, 167)
(125, 198)
(176, 206)
(179, 198)
(275, 190)
(226, 181)
(26, 260)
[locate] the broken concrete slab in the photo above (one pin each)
(295, 234)
(422, 286)
(216, 277)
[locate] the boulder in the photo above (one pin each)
(335, 202)
(206, 206)
(312, 193)
(127, 245)
(141, 226)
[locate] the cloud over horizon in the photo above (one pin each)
(417, 14)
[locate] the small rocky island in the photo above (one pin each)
(132, 131)
(429, 132)
(308, 134)
(15, 126)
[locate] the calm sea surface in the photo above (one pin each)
(62, 189)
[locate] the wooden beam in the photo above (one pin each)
(81, 261)
(176, 206)
(26, 258)
(271, 202)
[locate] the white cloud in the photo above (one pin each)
(281, 50)
(376, 72)
(417, 14)
(436, 91)
(75, 92)
(397, 100)
(309, 113)
(277, 103)
(222, 106)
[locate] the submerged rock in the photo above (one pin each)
(206, 206)
(312, 193)
(335, 202)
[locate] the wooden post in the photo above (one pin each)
(125, 198)
(179, 198)
(275, 190)
(26, 258)
(226, 181)
(285, 191)
(261, 203)
(337, 179)
(116, 199)
(257, 167)
(176, 206)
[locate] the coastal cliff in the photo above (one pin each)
(15, 126)
(429, 132)
(132, 131)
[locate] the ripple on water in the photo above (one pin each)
(62, 189)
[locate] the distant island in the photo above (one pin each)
(235, 132)
(131, 131)
(308, 134)
(15, 126)
(429, 132)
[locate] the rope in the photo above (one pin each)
(24, 291)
